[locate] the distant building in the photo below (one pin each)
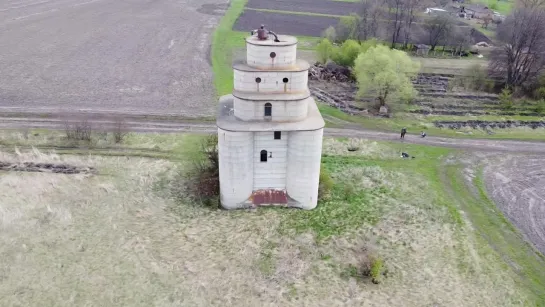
(270, 130)
(478, 11)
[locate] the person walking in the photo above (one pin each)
(403, 132)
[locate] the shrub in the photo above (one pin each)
(324, 50)
(540, 107)
(202, 179)
(348, 52)
(376, 271)
(476, 78)
(366, 45)
(326, 184)
(540, 93)
(506, 99)
(79, 131)
(119, 131)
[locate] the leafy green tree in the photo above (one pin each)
(366, 45)
(347, 53)
(324, 50)
(386, 73)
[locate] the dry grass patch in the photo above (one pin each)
(357, 147)
(124, 237)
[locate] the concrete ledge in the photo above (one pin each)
(284, 40)
(227, 121)
(300, 65)
(272, 96)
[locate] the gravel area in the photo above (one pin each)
(131, 56)
(309, 25)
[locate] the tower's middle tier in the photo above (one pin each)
(251, 79)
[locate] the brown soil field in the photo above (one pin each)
(316, 7)
(131, 56)
(309, 25)
(517, 185)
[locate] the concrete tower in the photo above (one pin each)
(270, 129)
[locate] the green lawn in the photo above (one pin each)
(417, 123)
(502, 6)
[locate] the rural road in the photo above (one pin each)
(150, 56)
(138, 124)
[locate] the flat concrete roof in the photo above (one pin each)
(300, 65)
(226, 120)
(272, 96)
(284, 40)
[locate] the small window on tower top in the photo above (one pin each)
(277, 135)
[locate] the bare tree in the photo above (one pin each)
(438, 28)
(460, 39)
(530, 4)
(397, 12)
(486, 21)
(119, 130)
(521, 58)
(412, 7)
(368, 20)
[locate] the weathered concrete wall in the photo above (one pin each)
(304, 158)
(281, 110)
(259, 56)
(270, 174)
(236, 171)
(270, 82)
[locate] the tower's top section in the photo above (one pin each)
(267, 50)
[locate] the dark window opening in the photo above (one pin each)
(285, 80)
(263, 156)
(268, 109)
(277, 135)
(258, 80)
(273, 55)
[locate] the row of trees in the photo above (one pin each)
(518, 59)
(392, 19)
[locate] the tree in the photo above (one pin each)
(521, 58)
(531, 4)
(385, 73)
(438, 28)
(460, 39)
(347, 53)
(347, 27)
(368, 18)
(397, 11)
(486, 21)
(330, 33)
(324, 50)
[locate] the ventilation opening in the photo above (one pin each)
(258, 80)
(263, 156)
(285, 80)
(268, 109)
(277, 135)
(272, 55)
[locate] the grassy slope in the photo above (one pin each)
(416, 123)
(497, 232)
